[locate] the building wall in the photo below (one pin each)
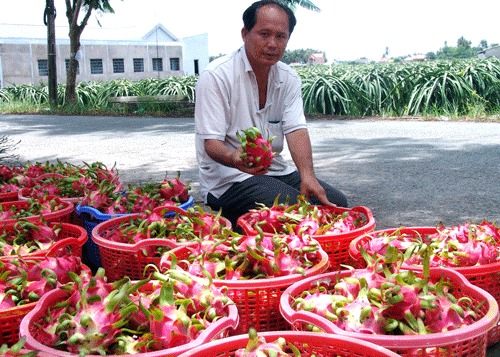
(195, 51)
(19, 61)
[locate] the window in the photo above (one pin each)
(96, 66)
(174, 64)
(118, 65)
(43, 67)
(158, 64)
(138, 64)
(66, 62)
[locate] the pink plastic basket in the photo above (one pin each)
(467, 341)
(485, 276)
(121, 259)
(62, 215)
(335, 245)
(28, 328)
(308, 344)
(258, 300)
(71, 239)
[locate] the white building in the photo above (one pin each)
(104, 54)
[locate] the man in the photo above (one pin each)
(250, 88)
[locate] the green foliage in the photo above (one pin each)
(458, 87)
(298, 56)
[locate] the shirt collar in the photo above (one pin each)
(273, 73)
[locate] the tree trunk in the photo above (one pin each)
(70, 95)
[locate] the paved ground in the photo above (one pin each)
(411, 173)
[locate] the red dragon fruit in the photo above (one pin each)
(174, 189)
(256, 147)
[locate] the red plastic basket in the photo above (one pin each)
(121, 259)
(485, 276)
(10, 318)
(9, 196)
(71, 239)
(28, 328)
(62, 215)
(258, 300)
(335, 245)
(308, 344)
(91, 217)
(467, 341)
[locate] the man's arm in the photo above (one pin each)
(300, 148)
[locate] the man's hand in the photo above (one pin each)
(310, 187)
(220, 153)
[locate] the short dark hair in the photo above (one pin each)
(250, 14)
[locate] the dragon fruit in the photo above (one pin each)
(300, 218)
(256, 147)
(17, 350)
(386, 299)
(464, 245)
(258, 347)
(174, 189)
(128, 317)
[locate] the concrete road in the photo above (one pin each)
(411, 173)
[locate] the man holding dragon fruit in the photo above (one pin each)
(250, 93)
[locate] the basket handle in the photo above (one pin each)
(166, 209)
(96, 213)
(367, 212)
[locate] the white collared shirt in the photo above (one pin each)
(227, 101)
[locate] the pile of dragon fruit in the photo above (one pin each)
(25, 237)
(61, 179)
(387, 300)
(301, 218)
(181, 226)
(96, 317)
(32, 208)
(464, 245)
(24, 281)
(228, 255)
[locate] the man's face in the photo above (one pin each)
(265, 44)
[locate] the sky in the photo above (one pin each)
(343, 29)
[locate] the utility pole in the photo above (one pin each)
(49, 17)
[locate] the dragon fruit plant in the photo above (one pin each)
(231, 256)
(385, 299)
(25, 281)
(464, 245)
(94, 316)
(302, 218)
(257, 346)
(25, 237)
(256, 147)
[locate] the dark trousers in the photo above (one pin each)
(243, 196)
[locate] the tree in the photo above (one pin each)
(76, 9)
(298, 56)
(306, 4)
